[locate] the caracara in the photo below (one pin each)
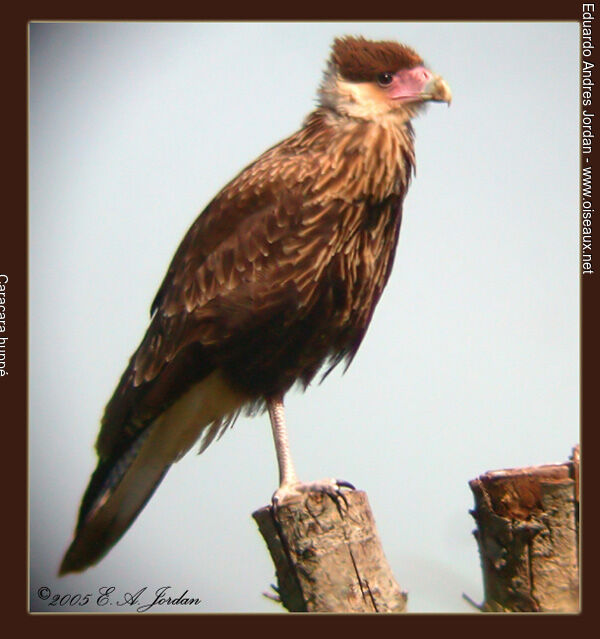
(278, 276)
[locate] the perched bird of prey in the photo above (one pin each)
(278, 276)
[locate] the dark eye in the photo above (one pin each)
(384, 79)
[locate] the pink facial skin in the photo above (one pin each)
(409, 84)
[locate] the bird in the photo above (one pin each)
(276, 280)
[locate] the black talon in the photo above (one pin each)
(341, 495)
(338, 494)
(342, 483)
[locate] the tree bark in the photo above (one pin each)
(528, 536)
(327, 555)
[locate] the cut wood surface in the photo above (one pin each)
(528, 536)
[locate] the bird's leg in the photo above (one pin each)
(287, 472)
(289, 485)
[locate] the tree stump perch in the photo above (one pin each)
(328, 556)
(528, 536)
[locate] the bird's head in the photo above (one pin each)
(370, 80)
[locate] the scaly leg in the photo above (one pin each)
(289, 485)
(287, 472)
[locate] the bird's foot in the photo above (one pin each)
(330, 487)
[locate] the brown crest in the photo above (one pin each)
(358, 59)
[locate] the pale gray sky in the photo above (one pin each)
(471, 362)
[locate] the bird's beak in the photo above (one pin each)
(437, 90)
(419, 84)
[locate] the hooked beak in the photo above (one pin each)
(437, 90)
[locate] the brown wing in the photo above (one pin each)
(235, 271)
(249, 257)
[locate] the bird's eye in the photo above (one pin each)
(384, 79)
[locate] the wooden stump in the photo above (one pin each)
(528, 537)
(328, 557)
